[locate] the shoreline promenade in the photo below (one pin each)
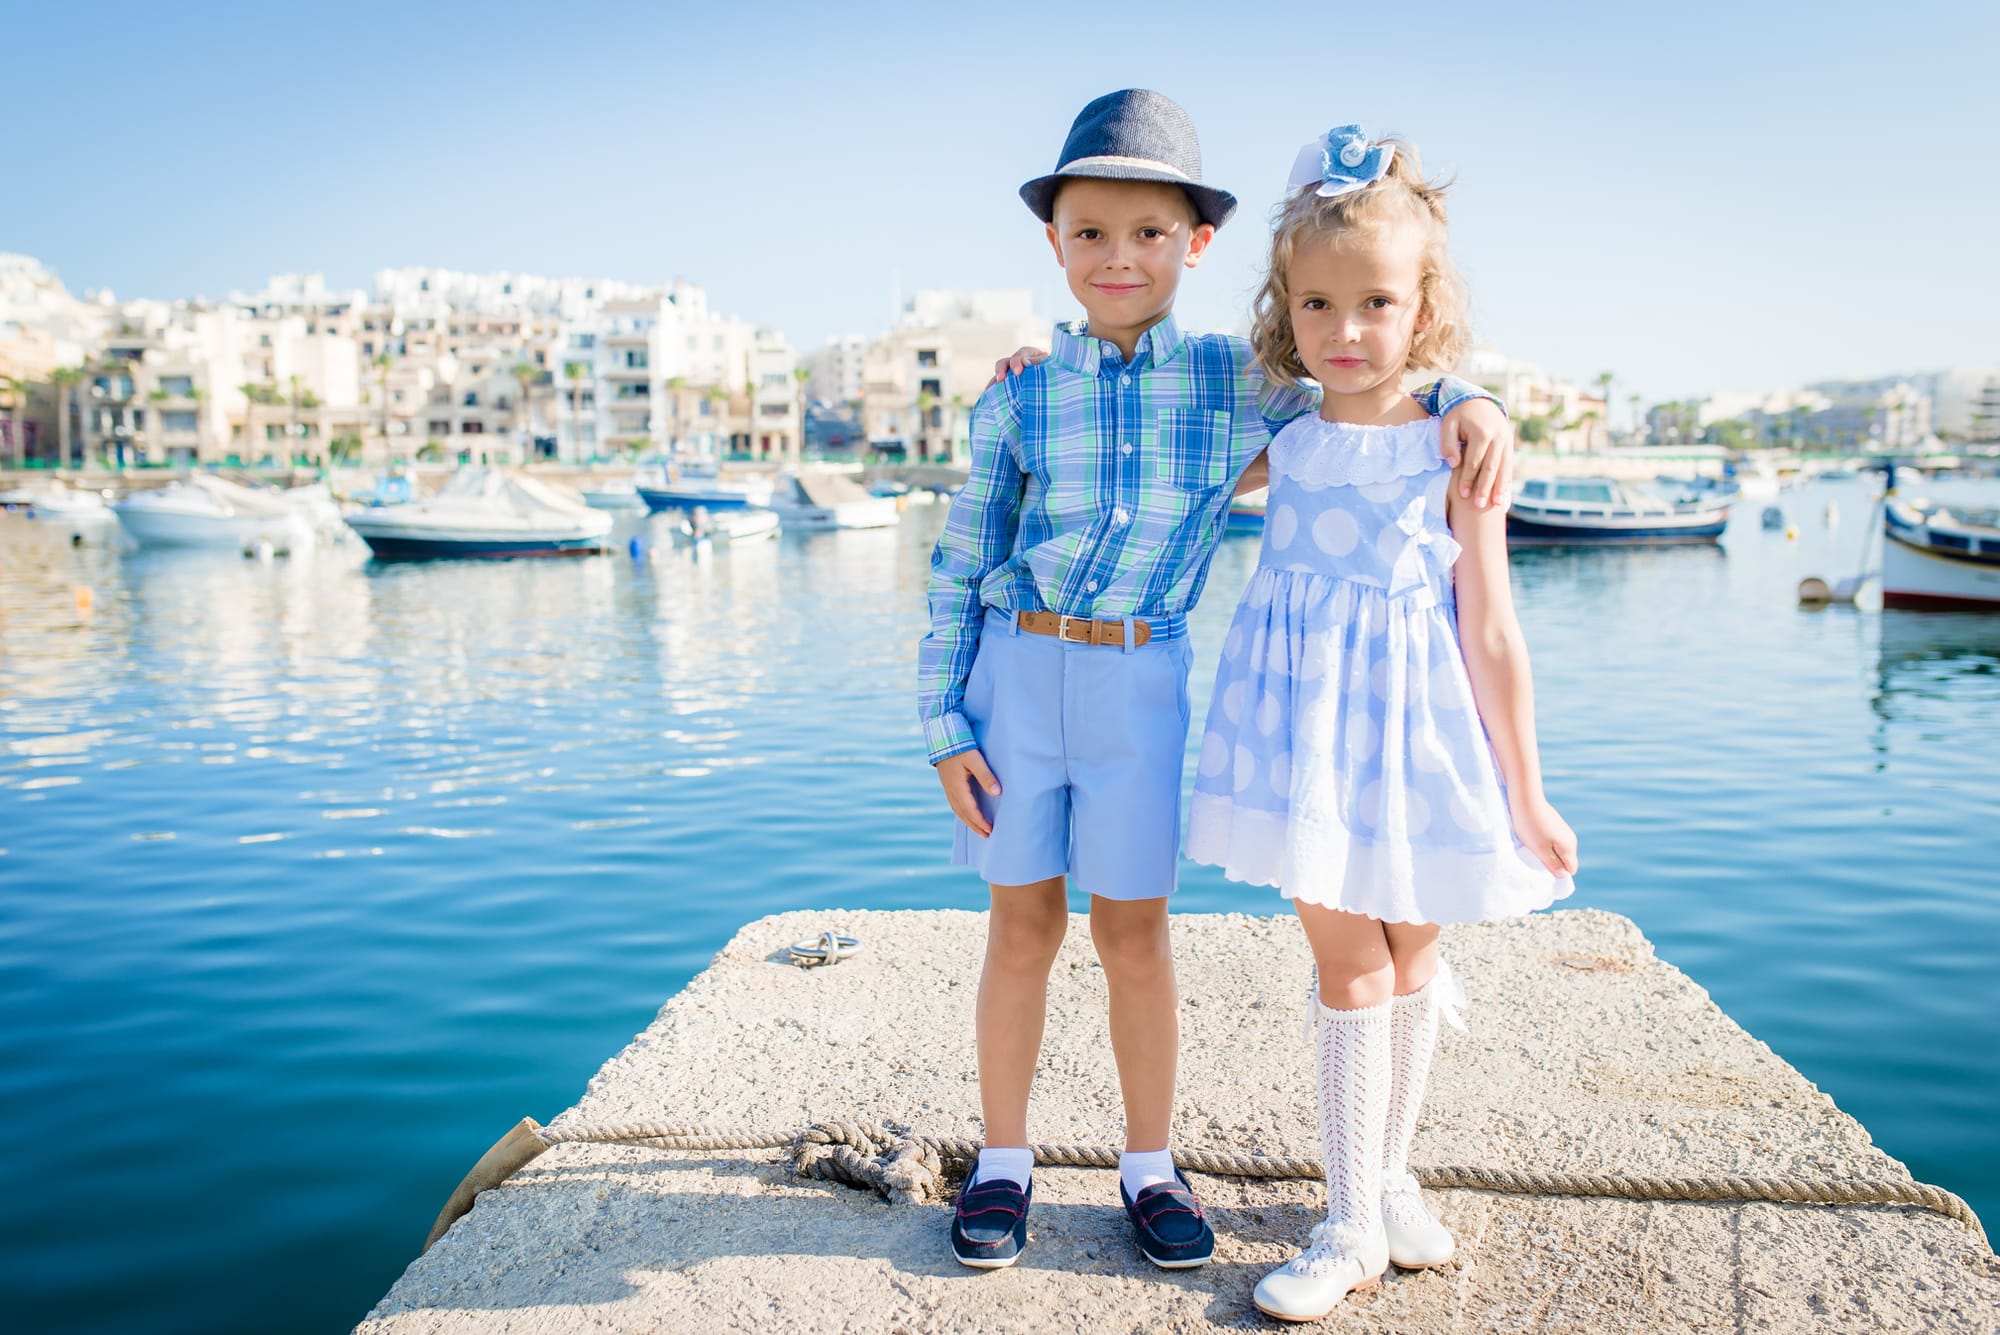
(1585, 1054)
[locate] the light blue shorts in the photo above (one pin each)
(1087, 742)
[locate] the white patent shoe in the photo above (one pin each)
(1341, 1258)
(1417, 1240)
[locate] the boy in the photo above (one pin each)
(1053, 682)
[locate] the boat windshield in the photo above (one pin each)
(1598, 493)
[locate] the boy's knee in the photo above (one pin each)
(1027, 928)
(1132, 943)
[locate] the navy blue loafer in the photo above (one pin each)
(989, 1223)
(1173, 1231)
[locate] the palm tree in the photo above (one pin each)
(719, 397)
(951, 426)
(1603, 382)
(525, 374)
(344, 448)
(65, 379)
(576, 373)
(925, 402)
(799, 377)
(676, 385)
(17, 401)
(156, 422)
(383, 362)
(1634, 401)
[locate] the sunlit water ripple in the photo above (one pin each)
(315, 875)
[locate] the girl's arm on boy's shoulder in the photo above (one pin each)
(978, 535)
(1496, 660)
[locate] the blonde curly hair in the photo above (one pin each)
(1402, 198)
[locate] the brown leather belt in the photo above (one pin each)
(1081, 630)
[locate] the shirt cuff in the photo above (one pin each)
(947, 735)
(1453, 393)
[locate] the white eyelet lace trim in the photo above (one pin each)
(1332, 1244)
(1317, 453)
(1403, 1203)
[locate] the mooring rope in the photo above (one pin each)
(910, 1169)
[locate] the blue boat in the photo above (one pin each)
(1596, 511)
(685, 486)
(1246, 512)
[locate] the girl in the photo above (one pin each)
(1370, 750)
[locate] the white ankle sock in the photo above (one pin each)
(1145, 1168)
(1014, 1163)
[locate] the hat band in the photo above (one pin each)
(1111, 160)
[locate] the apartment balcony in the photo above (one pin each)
(629, 338)
(628, 373)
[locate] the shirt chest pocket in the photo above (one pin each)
(1193, 451)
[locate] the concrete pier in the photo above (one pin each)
(1585, 1053)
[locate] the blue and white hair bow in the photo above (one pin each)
(1341, 162)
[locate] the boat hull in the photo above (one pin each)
(1523, 530)
(151, 527)
(879, 514)
(1920, 578)
(397, 547)
(657, 499)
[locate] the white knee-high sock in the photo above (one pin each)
(1413, 1028)
(1353, 1068)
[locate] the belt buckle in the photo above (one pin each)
(1062, 629)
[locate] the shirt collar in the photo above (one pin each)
(1074, 349)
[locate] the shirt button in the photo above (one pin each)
(1120, 518)
(1124, 379)
(1126, 448)
(1090, 587)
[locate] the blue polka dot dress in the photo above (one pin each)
(1344, 761)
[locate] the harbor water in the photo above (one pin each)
(317, 873)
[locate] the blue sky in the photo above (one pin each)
(1695, 197)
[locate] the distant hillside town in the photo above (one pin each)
(437, 365)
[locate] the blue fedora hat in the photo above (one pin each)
(1134, 135)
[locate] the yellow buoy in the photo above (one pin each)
(85, 600)
(1791, 533)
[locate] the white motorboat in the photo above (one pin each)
(484, 512)
(726, 526)
(55, 499)
(616, 494)
(1599, 510)
(1941, 557)
(207, 511)
(825, 500)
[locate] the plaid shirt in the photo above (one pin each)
(1099, 488)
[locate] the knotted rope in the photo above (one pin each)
(910, 1169)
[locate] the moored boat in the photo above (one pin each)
(1601, 510)
(484, 512)
(208, 511)
(726, 526)
(824, 500)
(1937, 556)
(56, 499)
(685, 486)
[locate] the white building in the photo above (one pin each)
(922, 378)
(1569, 418)
(662, 373)
(837, 372)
